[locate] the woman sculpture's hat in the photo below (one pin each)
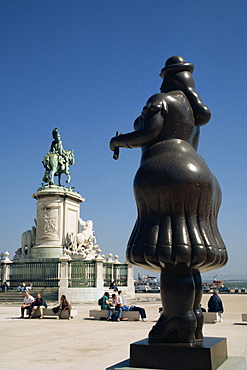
(176, 64)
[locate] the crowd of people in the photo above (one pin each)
(115, 305)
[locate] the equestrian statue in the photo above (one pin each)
(57, 161)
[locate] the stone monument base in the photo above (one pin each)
(46, 251)
(209, 354)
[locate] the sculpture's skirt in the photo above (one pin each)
(178, 200)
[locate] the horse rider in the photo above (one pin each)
(57, 148)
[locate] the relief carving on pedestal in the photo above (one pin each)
(47, 223)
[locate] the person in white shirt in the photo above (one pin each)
(121, 298)
(27, 304)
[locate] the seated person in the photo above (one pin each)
(27, 305)
(21, 288)
(5, 287)
(29, 286)
(115, 306)
(121, 298)
(141, 311)
(105, 302)
(38, 303)
(64, 305)
(113, 286)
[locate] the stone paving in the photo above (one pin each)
(86, 344)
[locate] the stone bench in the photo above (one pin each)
(244, 316)
(103, 314)
(50, 313)
(211, 317)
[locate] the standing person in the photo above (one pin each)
(27, 305)
(215, 304)
(178, 200)
(39, 303)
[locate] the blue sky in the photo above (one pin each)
(88, 67)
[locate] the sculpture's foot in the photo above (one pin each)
(199, 318)
(179, 329)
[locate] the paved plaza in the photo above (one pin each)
(88, 344)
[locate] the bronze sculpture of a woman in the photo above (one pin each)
(178, 200)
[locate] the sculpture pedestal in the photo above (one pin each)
(209, 354)
(58, 211)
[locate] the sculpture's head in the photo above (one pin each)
(176, 74)
(176, 64)
(55, 134)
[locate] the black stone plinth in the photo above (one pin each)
(208, 354)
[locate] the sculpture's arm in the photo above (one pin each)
(201, 111)
(148, 127)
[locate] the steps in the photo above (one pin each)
(12, 296)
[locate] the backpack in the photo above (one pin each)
(100, 301)
(115, 316)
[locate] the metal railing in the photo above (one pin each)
(115, 272)
(82, 274)
(39, 273)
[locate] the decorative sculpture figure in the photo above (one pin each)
(178, 200)
(57, 161)
(28, 240)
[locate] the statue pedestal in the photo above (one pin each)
(208, 354)
(58, 211)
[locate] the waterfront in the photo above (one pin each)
(235, 284)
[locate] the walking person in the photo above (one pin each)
(215, 304)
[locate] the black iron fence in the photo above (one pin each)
(115, 272)
(82, 274)
(39, 273)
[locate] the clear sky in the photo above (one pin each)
(88, 67)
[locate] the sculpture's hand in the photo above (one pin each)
(113, 145)
(116, 153)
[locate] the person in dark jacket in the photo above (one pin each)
(39, 303)
(215, 304)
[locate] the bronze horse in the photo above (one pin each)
(56, 164)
